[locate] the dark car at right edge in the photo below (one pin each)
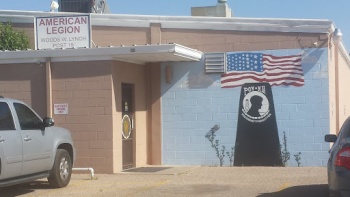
(338, 167)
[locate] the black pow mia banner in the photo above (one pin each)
(257, 141)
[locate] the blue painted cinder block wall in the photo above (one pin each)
(194, 102)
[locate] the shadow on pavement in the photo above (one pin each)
(22, 189)
(300, 191)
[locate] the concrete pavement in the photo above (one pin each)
(188, 181)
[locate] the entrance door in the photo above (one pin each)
(128, 131)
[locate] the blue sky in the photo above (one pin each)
(336, 10)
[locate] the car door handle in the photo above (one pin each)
(27, 139)
(2, 139)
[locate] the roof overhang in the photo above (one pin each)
(186, 22)
(132, 54)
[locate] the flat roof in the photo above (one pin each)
(185, 22)
(132, 54)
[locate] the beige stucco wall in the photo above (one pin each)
(116, 36)
(137, 75)
(344, 93)
(203, 40)
(87, 89)
(223, 41)
(92, 91)
(25, 82)
(339, 72)
(154, 139)
(206, 40)
(332, 88)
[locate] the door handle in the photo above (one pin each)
(2, 139)
(132, 122)
(27, 139)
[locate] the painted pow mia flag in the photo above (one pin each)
(257, 141)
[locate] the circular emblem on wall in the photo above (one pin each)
(126, 126)
(256, 107)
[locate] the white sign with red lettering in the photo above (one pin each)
(63, 32)
(61, 108)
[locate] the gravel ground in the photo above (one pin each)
(188, 181)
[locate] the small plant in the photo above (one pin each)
(298, 158)
(211, 135)
(231, 155)
(220, 154)
(215, 144)
(285, 154)
(11, 39)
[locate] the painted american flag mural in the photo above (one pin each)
(258, 68)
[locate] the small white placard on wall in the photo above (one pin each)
(61, 108)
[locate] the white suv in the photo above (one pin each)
(32, 148)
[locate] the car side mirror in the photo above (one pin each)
(330, 138)
(48, 122)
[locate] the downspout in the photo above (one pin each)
(48, 88)
(337, 36)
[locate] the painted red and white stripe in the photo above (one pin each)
(262, 68)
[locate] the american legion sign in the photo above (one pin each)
(63, 32)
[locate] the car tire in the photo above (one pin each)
(61, 171)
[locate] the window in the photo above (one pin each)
(6, 120)
(348, 128)
(28, 120)
(344, 131)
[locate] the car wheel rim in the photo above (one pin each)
(64, 169)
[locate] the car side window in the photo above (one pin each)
(6, 119)
(347, 131)
(344, 131)
(28, 120)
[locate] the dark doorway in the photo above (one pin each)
(128, 130)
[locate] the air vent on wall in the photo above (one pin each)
(215, 62)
